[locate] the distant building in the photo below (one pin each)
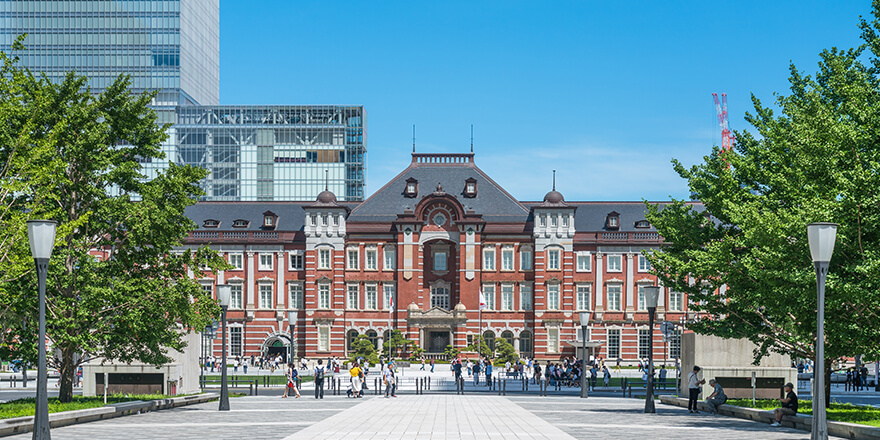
(415, 256)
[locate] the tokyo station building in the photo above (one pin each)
(415, 256)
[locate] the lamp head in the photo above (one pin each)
(41, 234)
(821, 237)
(652, 294)
(585, 318)
(291, 317)
(224, 294)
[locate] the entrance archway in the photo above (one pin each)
(276, 344)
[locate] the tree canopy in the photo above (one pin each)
(815, 159)
(77, 157)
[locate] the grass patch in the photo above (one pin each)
(273, 379)
(839, 412)
(26, 407)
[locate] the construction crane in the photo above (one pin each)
(727, 138)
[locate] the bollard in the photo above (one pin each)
(504, 388)
(250, 388)
(256, 387)
(499, 387)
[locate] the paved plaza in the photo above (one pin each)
(432, 416)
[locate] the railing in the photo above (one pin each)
(629, 236)
(442, 158)
(265, 235)
(205, 234)
(615, 235)
(234, 235)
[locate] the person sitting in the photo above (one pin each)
(789, 405)
(717, 398)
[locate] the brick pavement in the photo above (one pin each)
(416, 417)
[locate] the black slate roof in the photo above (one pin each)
(492, 201)
(590, 216)
(291, 215)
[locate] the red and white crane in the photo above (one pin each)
(727, 138)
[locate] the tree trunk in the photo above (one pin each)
(68, 368)
(827, 382)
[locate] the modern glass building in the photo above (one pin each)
(271, 153)
(172, 46)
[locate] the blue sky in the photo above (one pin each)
(605, 92)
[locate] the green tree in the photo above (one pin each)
(479, 346)
(451, 352)
(415, 353)
(397, 344)
(817, 161)
(504, 353)
(135, 301)
(363, 347)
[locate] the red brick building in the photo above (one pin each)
(430, 241)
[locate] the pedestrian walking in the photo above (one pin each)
(423, 365)
(617, 367)
(477, 370)
(488, 372)
(292, 375)
(319, 380)
(432, 365)
(694, 383)
(717, 398)
(390, 381)
(607, 376)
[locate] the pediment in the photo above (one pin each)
(437, 312)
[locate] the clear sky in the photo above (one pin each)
(605, 92)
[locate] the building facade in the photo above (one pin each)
(417, 255)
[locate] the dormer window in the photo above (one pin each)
(269, 219)
(470, 187)
(643, 224)
(612, 221)
(240, 223)
(211, 224)
(412, 187)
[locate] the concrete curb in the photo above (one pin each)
(802, 422)
(20, 425)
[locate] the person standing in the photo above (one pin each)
(789, 405)
(607, 376)
(694, 383)
(319, 379)
(477, 370)
(390, 381)
(356, 379)
(717, 398)
(537, 372)
(617, 367)
(488, 372)
(593, 373)
(663, 374)
(432, 365)
(456, 370)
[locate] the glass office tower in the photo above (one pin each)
(172, 46)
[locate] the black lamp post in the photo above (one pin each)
(291, 322)
(224, 294)
(652, 294)
(41, 235)
(821, 237)
(585, 320)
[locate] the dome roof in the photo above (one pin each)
(460, 308)
(554, 197)
(412, 307)
(326, 197)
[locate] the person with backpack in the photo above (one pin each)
(319, 380)
(292, 375)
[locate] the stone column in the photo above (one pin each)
(600, 289)
(250, 280)
(630, 291)
(221, 275)
(279, 282)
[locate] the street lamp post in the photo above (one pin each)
(821, 237)
(224, 295)
(291, 322)
(585, 319)
(652, 294)
(41, 235)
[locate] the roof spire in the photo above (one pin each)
(414, 138)
(326, 180)
(472, 138)
(554, 180)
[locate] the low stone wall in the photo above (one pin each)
(20, 425)
(802, 422)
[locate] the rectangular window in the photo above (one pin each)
(323, 296)
(235, 341)
(614, 263)
(584, 262)
(489, 295)
(266, 261)
(295, 290)
(644, 264)
(612, 342)
(614, 297)
(265, 296)
(237, 261)
(553, 296)
(583, 297)
(507, 259)
(553, 259)
(324, 259)
(525, 259)
(296, 261)
(507, 297)
(439, 260)
(370, 257)
(488, 259)
(525, 297)
(390, 259)
(353, 263)
(324, 338)
(235, 301)
(675, 344)
(553, 340)
(353, 294)
(371, 297)
(641, 297)
(208, 289)
(388, 296)
(676, 301)
(644, 343)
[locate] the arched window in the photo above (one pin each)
(373, 337)
(508, 335)
(525, 342)
(489, 337)
(352, 336)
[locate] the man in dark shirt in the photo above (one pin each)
(789, 405)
